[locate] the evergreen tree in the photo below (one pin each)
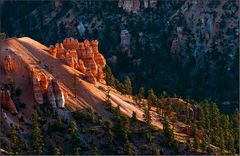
(168, 132)
(110, 80)
(141, 94)
(134, 117)
(151, 97)
(95, 150)
(128, 85)
(17, 145)
(109, 132)
(76, 151)
(56, 151)
(73, 129)
(147, 115)
(38, 142)
(127, 148)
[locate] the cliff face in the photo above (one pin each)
(82, 56)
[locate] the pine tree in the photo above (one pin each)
(134, 117)
(76, 151)
(17, 145)
(56, 151)
(128, 85)
(141, 94)
(127, 148)
(73, 129)
(195, 139)
(109, 132)
(168, 132)
(147, 115)
(38, 142)
(110, 80)
(151, 97)
(95, 150)
(231, 146)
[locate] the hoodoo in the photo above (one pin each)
(80, 56)
(59, 96)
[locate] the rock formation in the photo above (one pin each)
(70, 43)
(42, 85)
(125, 40)
(59, 96)
(37, 92)
(6, 101)
(89, 77)
(81, 56)
(8, 64)
(51, 96)
(43, 82)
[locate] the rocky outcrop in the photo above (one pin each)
(42, 85)
(89, 77)
(80, 66)
(51, 96)
(43, 82)
(81, 56)
(8, 64)
(125, 40)
(59, 96)
(70, 43)
(6, 101)
(37, 92)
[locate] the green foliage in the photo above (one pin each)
(56, 151)
(37, 142)
(147, 115)
(95, 150)
(17, 145)
(128, 85)
(151, 97)
(168, 132)
(110, 79)
(73, 129)
(3, 36)
(76, 151)
(127, 148)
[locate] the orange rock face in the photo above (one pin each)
(6, 101)
(8, 64)
(89, 77)
(43, 82)
(37, 92)
(53, 51)
(70, 43)
(81, 56)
